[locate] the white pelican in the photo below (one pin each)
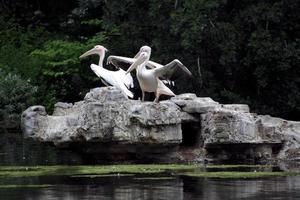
(115, 78)
(149, 78)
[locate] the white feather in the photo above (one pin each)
(114, 78)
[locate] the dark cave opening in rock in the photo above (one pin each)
(191, 134)
(243, 152)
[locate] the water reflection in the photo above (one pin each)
(14, 150)
(122, 188)
(267, 188)
(177, 188)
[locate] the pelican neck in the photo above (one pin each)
(101, 58)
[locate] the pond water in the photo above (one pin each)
(14, 151)
(143, 187)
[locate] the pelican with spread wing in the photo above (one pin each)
(119, 60)
(149, 79)
(117, 78)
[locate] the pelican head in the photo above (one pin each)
(142, 57)
(98, 49)
(145, 48)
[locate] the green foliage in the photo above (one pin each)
(92, 22)
(238, 51)
(59, 68)
(59, 58)
(16, 95)
(16, 67)
(248, 51)
(61, 75)
(16, 43)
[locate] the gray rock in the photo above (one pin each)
(61, 108)
(281, 131)
(181, 100)
(237, 107)
(99, 119)
(191, 104)
(104, 94)
(228, 126)
(184, 128)
(33, 120)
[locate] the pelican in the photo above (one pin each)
(149, 78)
(115, 78)
(116, 59)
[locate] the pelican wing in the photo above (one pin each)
(114, 78)
(104, 74)
(153, 65)
(124, 89)
(125, 78)
(172, 70)
(118, 60)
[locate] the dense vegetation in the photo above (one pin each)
(238, 51)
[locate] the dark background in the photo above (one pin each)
(239, 51)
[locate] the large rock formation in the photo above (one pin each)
(184, 128)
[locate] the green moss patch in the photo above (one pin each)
(22, 186)
(101, 175)
(90, 170)
(154, 178)
(237, 166)
(239, 175)
(224, 171)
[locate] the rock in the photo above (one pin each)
(228, 126)
(191, 104)
(148, 113)
(61, 108)
(99, 119)
(237, 107)
(105, 94)
(185, 128)
(181, 100)
(32, 121)
(266, 128)
(281, 131)
(187, 118)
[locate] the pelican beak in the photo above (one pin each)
(138, 54)
(90, 52)
(138, 62)
(132, 67)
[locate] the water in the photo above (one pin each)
(179, 188)
(15, 151)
